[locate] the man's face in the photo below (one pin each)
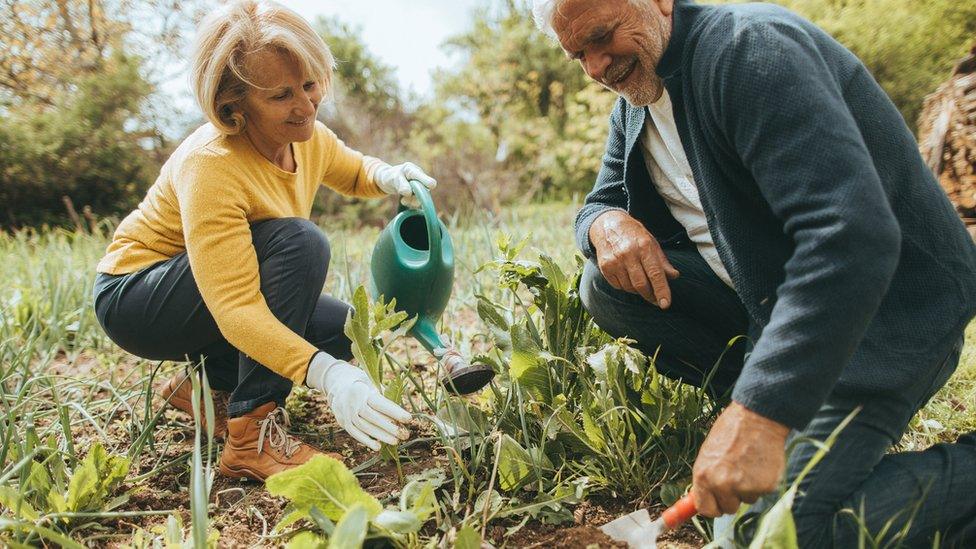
(618, 43)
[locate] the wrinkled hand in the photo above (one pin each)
(631, 259)
(356, 403)
(742, 458)
(396, 180)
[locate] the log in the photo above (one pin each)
(947, 138)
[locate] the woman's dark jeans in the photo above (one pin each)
(158, 314)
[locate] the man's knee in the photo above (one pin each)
(600, 299)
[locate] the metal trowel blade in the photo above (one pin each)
(636, 529)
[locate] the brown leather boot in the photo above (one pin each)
(179, 392)
(258, 445)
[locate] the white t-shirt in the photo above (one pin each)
(674, 181)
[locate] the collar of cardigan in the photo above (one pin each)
(683, 19)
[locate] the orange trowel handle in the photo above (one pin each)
(680, 512)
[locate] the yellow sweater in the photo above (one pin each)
(207, 194)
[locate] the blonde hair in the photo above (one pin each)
(225, 40)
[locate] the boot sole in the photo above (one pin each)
(246, 473)
(240, 473)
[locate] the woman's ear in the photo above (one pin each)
(233, 114)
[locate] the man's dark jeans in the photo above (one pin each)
(158, 314)
(934, 488)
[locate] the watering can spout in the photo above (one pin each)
(413, 262)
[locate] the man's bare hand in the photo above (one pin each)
(742, 458)
(631, 259)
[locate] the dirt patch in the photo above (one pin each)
(585, 530)
(577, 537)
(243, 512)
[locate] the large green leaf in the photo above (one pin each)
(514, 464)
(350, 532)
(95, 478)
(467, 538)
(498, 325)
(776, 528)
(528, 366)
(10, 498)
(325, 483)
(307, 540)
(593, 432)
(399, 522)
(357, 329)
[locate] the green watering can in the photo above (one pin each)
(413, 261)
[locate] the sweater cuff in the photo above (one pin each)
(791, 408)
(584, 220)
(370, 166)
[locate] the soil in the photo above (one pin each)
(242, 511)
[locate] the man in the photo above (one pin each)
(758, 181)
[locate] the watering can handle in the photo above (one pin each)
(430, 216)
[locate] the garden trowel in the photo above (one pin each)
(639, 531)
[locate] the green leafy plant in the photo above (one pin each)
(339, 513)
(46, 499)
(586, 404)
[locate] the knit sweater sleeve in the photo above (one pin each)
(346, 170)
(213, 211)
(781, 108)
(609, 192)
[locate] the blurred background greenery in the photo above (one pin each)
(82, 115)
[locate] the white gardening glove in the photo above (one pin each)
(395, 180)
(356, 403)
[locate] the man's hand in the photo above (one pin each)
(742, 458)
(631, 259)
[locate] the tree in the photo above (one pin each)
(366, 110)
(74, 115)
(547, 120)
(78, 148)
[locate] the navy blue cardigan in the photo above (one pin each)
(852, 264)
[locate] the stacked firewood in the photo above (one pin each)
(947, 137)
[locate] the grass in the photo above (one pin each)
(64, 388)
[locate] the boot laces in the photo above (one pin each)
(273, 427)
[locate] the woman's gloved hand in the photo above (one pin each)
(357, 404)
(395, 180)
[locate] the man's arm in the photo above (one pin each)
(782, 110)
(608, 193)
(628, 255)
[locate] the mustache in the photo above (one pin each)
(618, 69)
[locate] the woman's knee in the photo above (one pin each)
(292, 236)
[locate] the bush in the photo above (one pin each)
(88, 147)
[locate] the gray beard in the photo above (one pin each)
(645, 94)
(648, 86)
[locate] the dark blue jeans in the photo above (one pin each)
(934, 489)
(158, 314)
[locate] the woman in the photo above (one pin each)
(220, 263)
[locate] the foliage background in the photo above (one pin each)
(81, 112)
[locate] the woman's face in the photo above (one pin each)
(281, 108)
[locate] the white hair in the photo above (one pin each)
(543, 12)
